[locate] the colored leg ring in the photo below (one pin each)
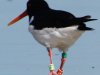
(64, 55)
(60, 72)
(51, 67)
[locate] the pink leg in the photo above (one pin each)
(51, 67)
(60, 70)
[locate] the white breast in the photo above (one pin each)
(61, 38)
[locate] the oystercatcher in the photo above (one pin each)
(54, 28)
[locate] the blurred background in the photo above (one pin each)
(20, 54)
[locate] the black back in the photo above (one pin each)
(44, 16)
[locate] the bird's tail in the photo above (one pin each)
(81, 21)
(84, 19)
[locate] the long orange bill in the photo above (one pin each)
(18, 18)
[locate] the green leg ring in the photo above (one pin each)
(64, 55)
(51, 67)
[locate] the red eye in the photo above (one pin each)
(29, 5)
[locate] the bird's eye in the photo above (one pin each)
(29, 5)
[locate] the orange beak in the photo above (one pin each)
(18, 18)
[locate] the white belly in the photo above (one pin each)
(61, 38)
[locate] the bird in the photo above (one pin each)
(53, 29)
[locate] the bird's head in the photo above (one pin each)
(33, 7)
(36, 6)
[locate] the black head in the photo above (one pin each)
(35, 6)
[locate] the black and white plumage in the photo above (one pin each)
(55, 28)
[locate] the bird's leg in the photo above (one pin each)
(51, 66)
(60, 70)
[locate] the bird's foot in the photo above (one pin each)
(53, 72)
(60, 72)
